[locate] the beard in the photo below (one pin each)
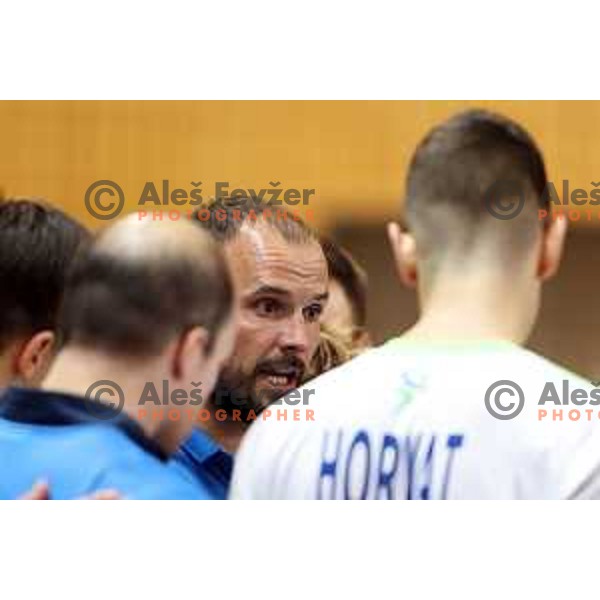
(251, 394)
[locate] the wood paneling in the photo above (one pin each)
(353, 153)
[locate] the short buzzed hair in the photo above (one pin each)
(37, 245)
(134, 304)
(460, 165)
(224, 218)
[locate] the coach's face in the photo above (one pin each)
(282, 288)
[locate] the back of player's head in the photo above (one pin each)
(225, 217)
(37, 246)
(463, 174)
(141, 284)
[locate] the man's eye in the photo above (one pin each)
(267, 307)
(313, 312)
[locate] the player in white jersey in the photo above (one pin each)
(455, 408)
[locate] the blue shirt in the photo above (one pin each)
(202, 460)
(56, 437)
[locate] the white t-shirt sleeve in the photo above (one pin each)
(252, 466)
(580, 464)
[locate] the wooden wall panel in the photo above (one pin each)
(353, 153)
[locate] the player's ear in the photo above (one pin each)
(405, 254)
(553, 239)
(33, 360)
(189, 353)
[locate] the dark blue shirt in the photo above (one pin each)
(57, 437)
(202, 460)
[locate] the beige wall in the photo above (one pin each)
(353, 153)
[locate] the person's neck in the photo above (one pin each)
(473, 309)
(76, 370)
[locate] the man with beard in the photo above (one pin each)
(280, 274)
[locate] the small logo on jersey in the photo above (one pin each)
(504, 399)
(411, 383)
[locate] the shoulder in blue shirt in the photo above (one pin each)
(53, 436)
(202, 460)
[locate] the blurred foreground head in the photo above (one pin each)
(37, 245)
(152, 298)
(475, 242)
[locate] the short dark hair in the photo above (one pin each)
(135, 305)
(224, 217)
(37, 246)
(350, 275)
(461, 162)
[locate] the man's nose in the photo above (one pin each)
(294, 335)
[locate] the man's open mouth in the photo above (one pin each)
(282, 381)
(281, 377)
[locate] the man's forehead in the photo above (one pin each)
(260, 256)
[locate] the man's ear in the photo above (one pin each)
(190, 352)
(553, 239)
(405, 254)
(33, 359)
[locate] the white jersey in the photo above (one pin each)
(430, 421)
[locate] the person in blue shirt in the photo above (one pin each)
(280, 272)
(147, 304)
